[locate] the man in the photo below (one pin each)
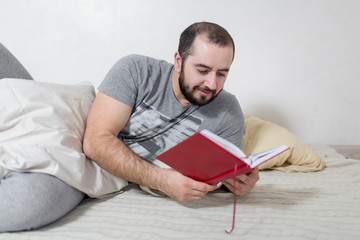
(145, 106)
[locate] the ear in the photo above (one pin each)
(177, 62)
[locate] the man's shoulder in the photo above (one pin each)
(135, 57)
(142, 59)
(225, 97)
(224, 102)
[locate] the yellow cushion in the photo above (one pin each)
(261, 135)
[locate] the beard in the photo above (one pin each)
(188, 92)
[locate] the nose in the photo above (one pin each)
(211, 81)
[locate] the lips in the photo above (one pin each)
(205, 91)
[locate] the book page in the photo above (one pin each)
(230, 147)
(260, 157)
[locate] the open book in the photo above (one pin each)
(207, 157)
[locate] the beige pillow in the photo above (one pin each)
(261, 135)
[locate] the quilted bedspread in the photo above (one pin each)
(314, 205)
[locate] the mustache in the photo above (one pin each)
(205, 89)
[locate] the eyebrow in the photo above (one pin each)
(207, 67)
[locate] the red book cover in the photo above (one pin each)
(202, 159)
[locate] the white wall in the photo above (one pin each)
(297, 62)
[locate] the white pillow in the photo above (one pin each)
(41, 130)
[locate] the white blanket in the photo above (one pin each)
(313, 205)
(41, 130)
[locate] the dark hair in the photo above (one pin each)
(213, 32)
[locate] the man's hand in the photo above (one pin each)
(182, 188)
(244, 182)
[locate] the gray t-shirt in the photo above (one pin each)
(145, 84)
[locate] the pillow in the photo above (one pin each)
(41, 130)
(261, 135)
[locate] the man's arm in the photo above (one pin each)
(106, 118)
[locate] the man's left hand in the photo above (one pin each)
(244, 183)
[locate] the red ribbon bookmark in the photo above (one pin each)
(234, 210)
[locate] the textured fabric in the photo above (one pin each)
(261, 135)
(32, 200)
(10, 67)
(41, 130)
(145, 84)
(282, 206)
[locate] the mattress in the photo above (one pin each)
(314, 205)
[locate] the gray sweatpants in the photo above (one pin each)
(30, 200)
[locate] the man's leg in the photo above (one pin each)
(32, 200)
(10, 67)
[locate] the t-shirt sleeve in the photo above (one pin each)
(120, 82)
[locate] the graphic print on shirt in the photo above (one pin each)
(147, 118)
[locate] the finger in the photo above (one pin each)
(229, 182)
(203, 187)
(197, 195)
(253, 177)
(198, 190)
(239, 179)
(242, 178)
(256, 170)
(240, 188)
(254, 173)
(229, 186)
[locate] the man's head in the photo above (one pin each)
(203, 60)
(213, 32)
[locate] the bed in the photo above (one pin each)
(284, 205)
(309, 192)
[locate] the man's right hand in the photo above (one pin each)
(182, 188)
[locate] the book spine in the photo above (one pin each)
(242, 169)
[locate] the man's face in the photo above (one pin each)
(189, 92)
(204, 71)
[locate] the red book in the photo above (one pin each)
(207, 157)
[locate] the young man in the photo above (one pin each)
(145, 106)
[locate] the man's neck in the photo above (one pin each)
(176, 89)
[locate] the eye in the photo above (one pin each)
(202, 71)
(220, 74)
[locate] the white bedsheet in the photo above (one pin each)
(315, 205)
